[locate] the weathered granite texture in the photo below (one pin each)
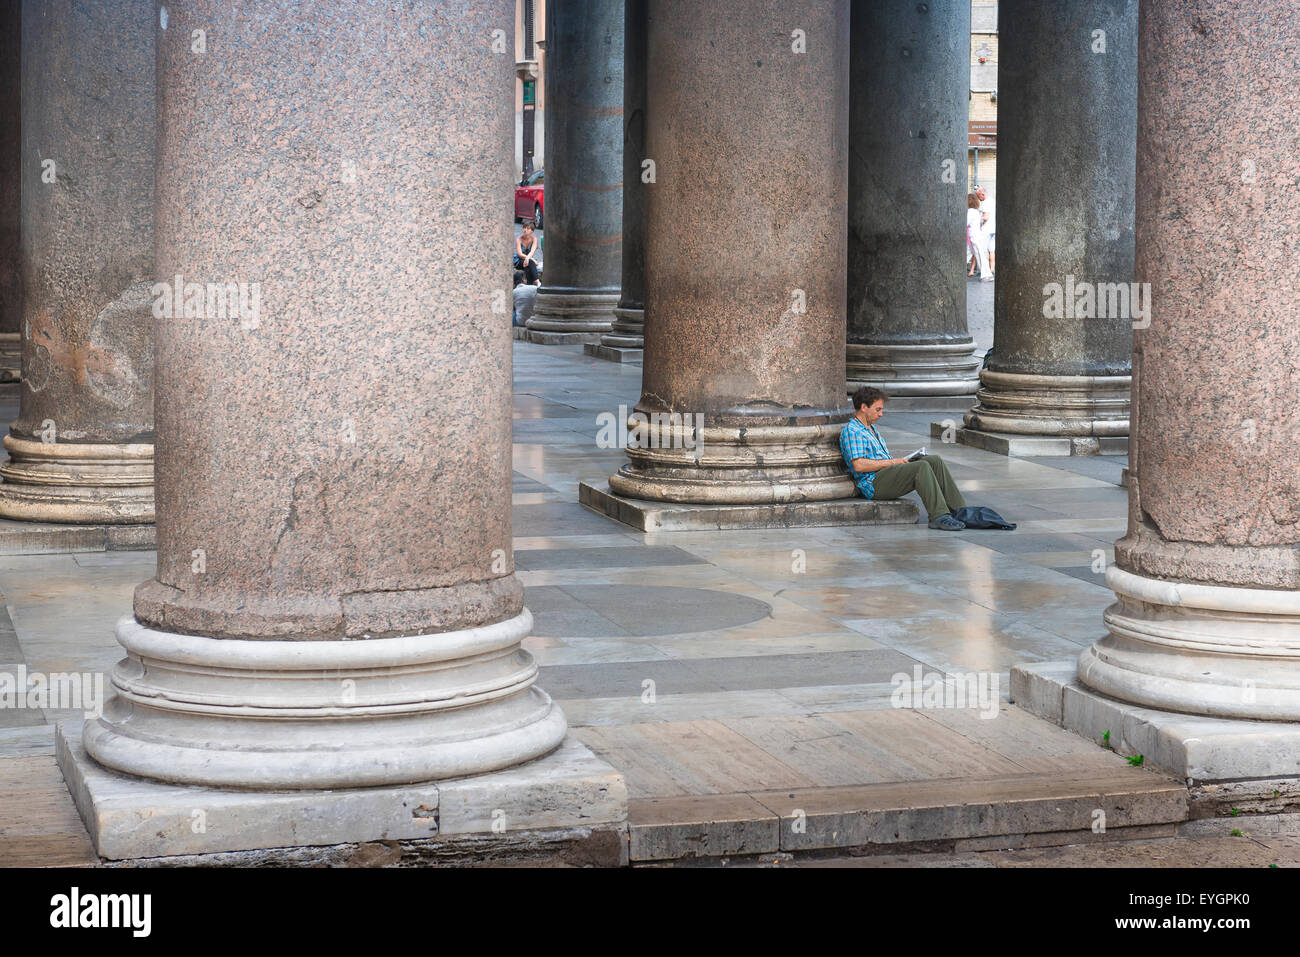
(1208, 575)
(1066, 118)
(81, 445)
(629, 316)
(745, 249)
(340, 477)
(907, 198)
(584, 172)
(1215, 474)
(331, 460)
(11, 287)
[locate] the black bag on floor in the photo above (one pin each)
(981, 516)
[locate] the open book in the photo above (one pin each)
(917, 454)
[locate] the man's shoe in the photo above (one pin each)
(947, 523)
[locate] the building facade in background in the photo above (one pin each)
(530, 100)
(982, 155)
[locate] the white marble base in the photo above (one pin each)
(1021, 446)
(1197, 749)
(135, 818)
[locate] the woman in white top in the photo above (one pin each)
(975, 238)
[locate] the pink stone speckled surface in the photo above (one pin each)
(1216, 469)
(342, 467)
(747, 219)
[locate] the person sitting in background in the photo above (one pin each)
(879, 476)
(526, 254)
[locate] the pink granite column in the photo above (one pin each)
(746, 234)
(81, 449)
(1208, 576)
(335, 602)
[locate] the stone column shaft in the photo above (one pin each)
(1207, 579)
(629, 316)
(1066, 119)
(908, 108)
(11, 284)
(584, 172)
(745, 254)
(81, 449)
(335, 603)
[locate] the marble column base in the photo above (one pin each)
(1051, 405)
(628, 331)
(914, 370)
(78, 483)
(272, 714)
(568, 800)
(562, 316)
(1263, 756)
(1200, 649)
(625, 342)
(720, 465)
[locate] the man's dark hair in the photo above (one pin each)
(867, 395)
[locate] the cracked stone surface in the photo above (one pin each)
(333, 469)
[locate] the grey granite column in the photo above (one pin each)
(81, 449)
(1063, 312)
(629, 316)
(1207, 579)
(584, 172)
(745, 253)
(908, 108)
(11, 285)
(335, 602)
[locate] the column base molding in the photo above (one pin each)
(77, 483)
(628, 331)
(720, 465)
(1199, 649)
(1061, 406)
(571, 315)
(269, 714)
(914, 370)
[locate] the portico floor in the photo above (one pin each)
(741, 680)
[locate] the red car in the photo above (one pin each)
(528, 199)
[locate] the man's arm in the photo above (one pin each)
(874, 465)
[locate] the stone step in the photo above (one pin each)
(958, 813)
(647, 516)
(44, 538)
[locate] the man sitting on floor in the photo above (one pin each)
(880, 477)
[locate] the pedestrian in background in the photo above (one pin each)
(975, 239)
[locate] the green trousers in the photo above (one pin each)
(928, 477)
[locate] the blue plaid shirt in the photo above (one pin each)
(858, 441)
